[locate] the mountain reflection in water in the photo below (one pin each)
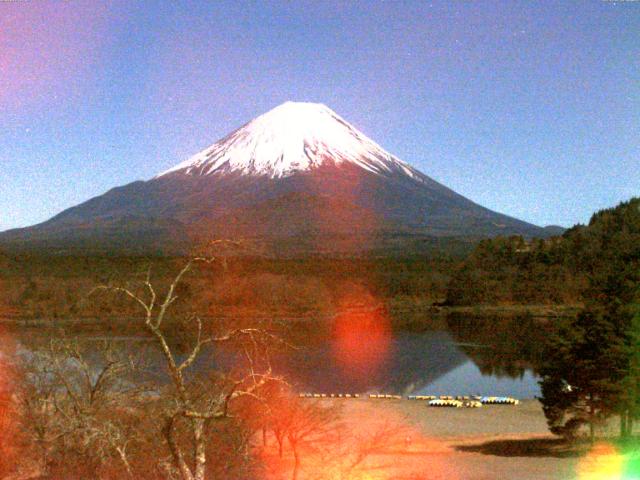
(484, 356)
(475, 356)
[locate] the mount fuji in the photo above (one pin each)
(298, 178)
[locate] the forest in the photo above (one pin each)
(499, 271)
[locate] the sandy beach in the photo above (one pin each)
(491, 442)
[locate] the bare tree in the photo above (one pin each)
(305, 425)
(72, 405)
(352, 453)
(310, 425)
(318, 437)
(195, 405)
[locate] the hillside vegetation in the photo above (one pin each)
(556, 270)
(59, 287)
(501, 271)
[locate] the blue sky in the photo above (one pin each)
(529, 108)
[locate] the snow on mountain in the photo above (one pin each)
(293, 137)
(350, 196)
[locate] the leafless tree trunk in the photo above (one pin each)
(189, 406)
(296, 464)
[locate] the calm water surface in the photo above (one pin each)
(424, 363)
(462, 356)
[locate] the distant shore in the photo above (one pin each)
(489, 310)
(397, 310)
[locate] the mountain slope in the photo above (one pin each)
(298, 171)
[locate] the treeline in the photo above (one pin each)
(39, 286)
(555, 270)
(514, 271)
(592, 369)
(499, 271)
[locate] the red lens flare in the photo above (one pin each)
(361, 342)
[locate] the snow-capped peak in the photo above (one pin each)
(294, 136)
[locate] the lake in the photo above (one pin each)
(459, 356)
(419, 363)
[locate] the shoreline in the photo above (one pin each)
(430, 311)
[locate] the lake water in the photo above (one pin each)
(424, 363)
(462, 356)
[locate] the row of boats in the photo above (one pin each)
(466, 401)
(329, 395)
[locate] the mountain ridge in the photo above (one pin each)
(297, 171)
